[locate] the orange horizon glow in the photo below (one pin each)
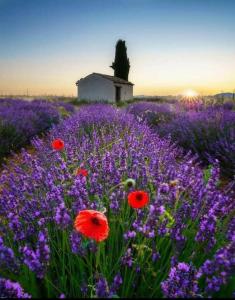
(206, 74)
(71, 89)
(66, 86)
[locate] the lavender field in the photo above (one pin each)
(121, 202)
(20, 121)
(206, 130)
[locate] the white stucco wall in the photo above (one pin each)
(126, 91)
(94, 88)
(97, 88)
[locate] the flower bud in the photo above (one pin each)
(173, 183)
(129, 183)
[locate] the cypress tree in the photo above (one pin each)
(121, 64)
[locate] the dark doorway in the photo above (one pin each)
(117, 93)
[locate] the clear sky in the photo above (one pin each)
(173, 45)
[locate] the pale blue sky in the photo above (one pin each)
(173, 45)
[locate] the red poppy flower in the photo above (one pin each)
(138, 199)
(82, 172)
(57, 144)
(92, 224)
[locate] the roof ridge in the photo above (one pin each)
(121, 80)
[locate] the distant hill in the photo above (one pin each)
(220, 95)
(225, 95)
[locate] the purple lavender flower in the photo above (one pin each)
(9, 289)
(210, 133)
(7, 258)
(155, 256)
(207, 229)
(37, 260)
(117, 282)
(181, 282)
(76, 243)
(84, 289)
(129, 235)
(152, 113)
(62, 216)
(102, 289)
(231, 230)
(164, 188)
(127, 259)
(24, 120)
(218, 270)
(92, 246)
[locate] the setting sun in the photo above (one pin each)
(190, 94)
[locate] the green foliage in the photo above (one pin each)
(121, 64)
(63, 112)
(10, 139)
(121, 104)
(81, 102)
(207, 173)
(78, 102)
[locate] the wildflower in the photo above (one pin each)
(164, 188)
(58, 144)
(181, 282)
(10, 289)
(92, 224)
(7, 257)
(138, 199)
(92, 246)
(82, 172)
(218, 270)
(127, 259)
(84, 288)
(76, 243)
(155, 256)
(117, 282)
(102, 289)
(129, 235)
(37, 260)
(207, 229)
(138, 269)
(62, 217)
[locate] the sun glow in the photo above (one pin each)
(190, 94)
(191, 98)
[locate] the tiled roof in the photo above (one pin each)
(112, 78)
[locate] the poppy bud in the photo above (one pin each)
(129, 183)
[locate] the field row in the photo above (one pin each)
(107, 208)
(21, 120)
